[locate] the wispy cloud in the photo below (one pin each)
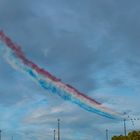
(92, 45)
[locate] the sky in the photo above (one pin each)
(92, 45)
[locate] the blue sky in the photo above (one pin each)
(90, 44)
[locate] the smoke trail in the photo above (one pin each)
(16, 58)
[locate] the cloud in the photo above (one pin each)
(92, 45)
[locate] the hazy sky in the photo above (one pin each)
(90, 44)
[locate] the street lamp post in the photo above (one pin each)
(106, 134)
(58, 129)
(0, 134)
(54, 133)
(124, 127)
